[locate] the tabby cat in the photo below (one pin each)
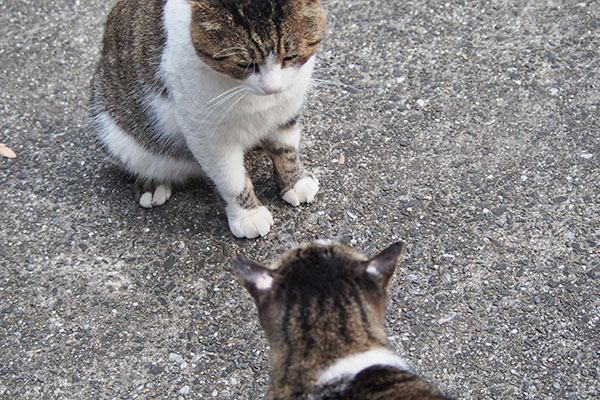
(322, 308)
(186, 87)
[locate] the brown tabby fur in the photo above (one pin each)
(323, 305)
(231, 25)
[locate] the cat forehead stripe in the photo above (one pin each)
(349, 366)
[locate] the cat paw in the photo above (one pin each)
(304, 191)
(251, 223)
(150, 196)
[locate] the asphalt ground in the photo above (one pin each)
(469, 129)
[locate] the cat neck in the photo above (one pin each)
(347, 367)
(294, 382)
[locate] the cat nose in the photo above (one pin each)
(272, 89)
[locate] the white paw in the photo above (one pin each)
(304, 191)
(250, 223)
(156, 198)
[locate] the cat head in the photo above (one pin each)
(264, 43)
(327, 297)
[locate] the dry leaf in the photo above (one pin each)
(342, 159)
(7, 152)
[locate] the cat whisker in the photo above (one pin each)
(226, 103)
(238, 48)
(327, 82)
(225, 93)
(223, 101)
(228, 110)
(315, 93)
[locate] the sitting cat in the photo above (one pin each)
(188, 86)
(322, 308)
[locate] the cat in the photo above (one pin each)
(322, 308)
(185, 87)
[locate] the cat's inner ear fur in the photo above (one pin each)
(381, 267)
(255, 277)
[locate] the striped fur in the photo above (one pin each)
(186, 87)
(323, 313)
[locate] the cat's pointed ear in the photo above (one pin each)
(256, 278)
(381, 267)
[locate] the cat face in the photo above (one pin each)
(327, 298)
(264, 43)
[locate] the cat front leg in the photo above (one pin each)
(246, 215)
(296, 185)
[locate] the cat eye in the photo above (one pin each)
(290, 57)
(248, 65)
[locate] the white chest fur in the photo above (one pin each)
(349, 366)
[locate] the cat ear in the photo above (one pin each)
(255, 277)
(381, 267)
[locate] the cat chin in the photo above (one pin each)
(261, 92)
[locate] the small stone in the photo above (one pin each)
(594, 273)
(418, 251)
(587, 156)
(448, 318)
(169, 263)
(500, 266)
(156, 369)
(499, 211)
(184, 390)
(570, 235)
(175, 357)
(553, 91)
(556, 385)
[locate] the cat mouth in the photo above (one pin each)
(268, 92)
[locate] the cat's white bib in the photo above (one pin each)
(350, 366)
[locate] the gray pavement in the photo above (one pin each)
(470, 129)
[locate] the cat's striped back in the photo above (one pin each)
(322, 308)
